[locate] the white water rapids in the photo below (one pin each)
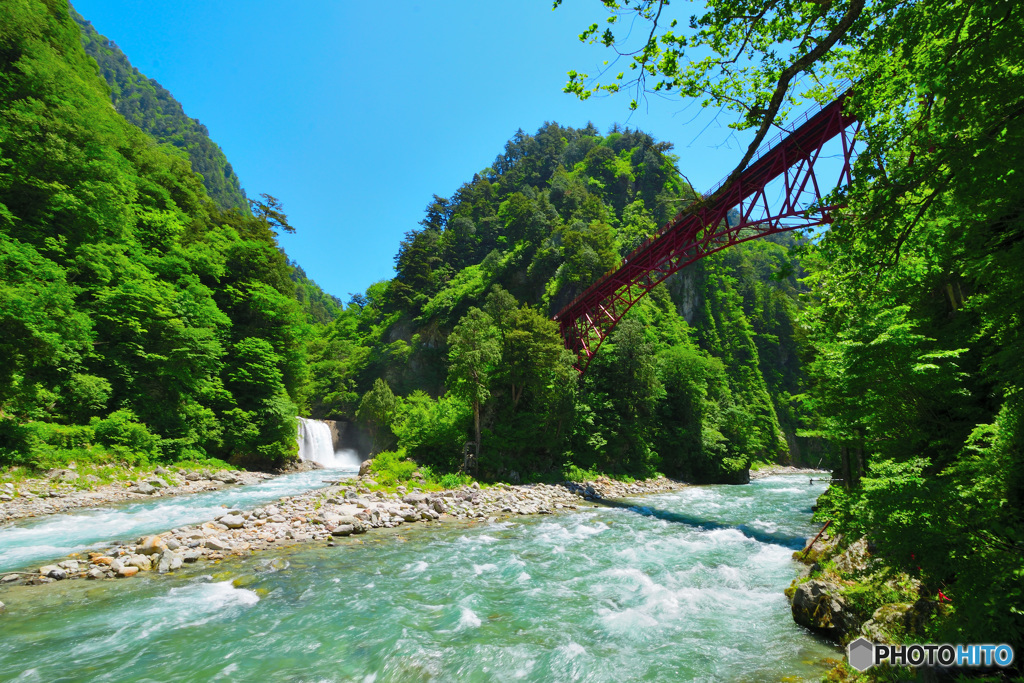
(682, 586)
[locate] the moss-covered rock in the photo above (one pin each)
(820, 606)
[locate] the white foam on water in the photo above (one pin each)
(637, 579)
(523, 577)
(182, 607)
(626, 622)
(571, 650)
(727, 536)
(468, 619)
(628, 553)
(730, 576)
(479, 569)
(416, 567)
(764, 525)
(344, 459)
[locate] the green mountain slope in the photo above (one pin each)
(140, 320)
(693, 382)
(148, 105)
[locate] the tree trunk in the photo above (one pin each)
(862, 465)
(476, 426)
(844, 456)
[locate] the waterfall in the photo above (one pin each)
(317, 445)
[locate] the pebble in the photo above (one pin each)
(150, 545)
(232, 521)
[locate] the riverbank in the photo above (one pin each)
(789, 469)
(63, 490)
(343, 509)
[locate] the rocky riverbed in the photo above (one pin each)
(60, 492)
(789, 469)
(343, 509)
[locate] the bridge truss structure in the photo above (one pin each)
(785, 187)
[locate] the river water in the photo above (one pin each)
(42, 539)
(683, 586)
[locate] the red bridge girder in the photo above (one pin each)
(703, 228)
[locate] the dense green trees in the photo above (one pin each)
(467, 320)
(913, 321)
(136, 313)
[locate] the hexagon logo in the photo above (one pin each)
(861, 654)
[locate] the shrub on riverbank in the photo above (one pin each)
(391, 467)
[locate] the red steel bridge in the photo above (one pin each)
(763, 206)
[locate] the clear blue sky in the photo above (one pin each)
(354, 114)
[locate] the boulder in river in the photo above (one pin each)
(225, 477)
(150, 545)
(358, 525)
(52, 571)
(95, 573)
(127, 572)
(343, 530)
(214, 543)
(232, 521)
(141, 561)
(364, 467)
(820, 606)
(169, 562)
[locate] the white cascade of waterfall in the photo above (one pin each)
(316, 445)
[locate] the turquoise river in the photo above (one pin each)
(686, 586)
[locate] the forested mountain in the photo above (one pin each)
(140, 319)
(696, 381)
(148, 105)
